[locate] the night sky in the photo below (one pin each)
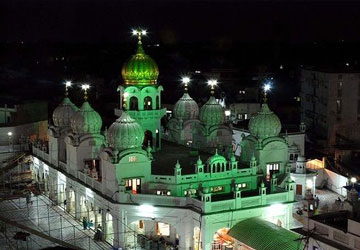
(178, 21)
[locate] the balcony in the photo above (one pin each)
(90, 181)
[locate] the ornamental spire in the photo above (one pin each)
(185, 80)
(85, 87)
(266, 88)
(67, 85)
(139, 33)
(212, 83)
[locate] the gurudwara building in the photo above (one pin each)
(141, 185)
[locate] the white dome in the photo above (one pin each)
(63, 113)
(186, 108)
(212, 113)
(86, 120)
(265, 123)
(125, 133)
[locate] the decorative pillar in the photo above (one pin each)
(262, 192)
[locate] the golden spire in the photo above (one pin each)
(139, 33)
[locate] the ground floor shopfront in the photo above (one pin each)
(144, 225)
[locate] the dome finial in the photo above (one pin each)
(67, 85)
(124, 96)
(212, 83)
(185, 80)
(139, 33)
(85, 87)
(266, 88)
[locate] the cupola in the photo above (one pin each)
(125, 133)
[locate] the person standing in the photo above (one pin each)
(85, 223)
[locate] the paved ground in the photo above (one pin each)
(52, 220)
(327, 200)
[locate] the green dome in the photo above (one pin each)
(86, 120)
(186, 108)
(211, 113)
(265, 123)
(140, 69)
(125, 133)
(63, 113)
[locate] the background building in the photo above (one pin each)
(330, 106)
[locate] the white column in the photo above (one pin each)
(150, 227)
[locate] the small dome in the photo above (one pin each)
(140, 69)
(86, 120)
(186, 108)
(63, 113)
(211, 113)
(265, 123)
(125, 133)
(301, 158)
(216, 158)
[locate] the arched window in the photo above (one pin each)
(218, 168)
(148, 138)
(134, 103)
(147, 103)
(157, 102)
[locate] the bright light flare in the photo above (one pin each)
(267, 87)
(126, 94)
(185, 80)
(353, 180)
(68, 83)
(139, 32)
(212, 82)
(85, 86)
(9, 133)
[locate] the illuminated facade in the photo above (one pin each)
(130, 184)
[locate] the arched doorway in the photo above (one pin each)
(158, 231)
(98, 217)
(157, 102)
(61, 195)
(148, 138)
(136, 235)
(147, 103)
(109, 230)
(71, 203)
(157, 138)
(92, 216)
(83, 208)
(134, 105)
(197, 238)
